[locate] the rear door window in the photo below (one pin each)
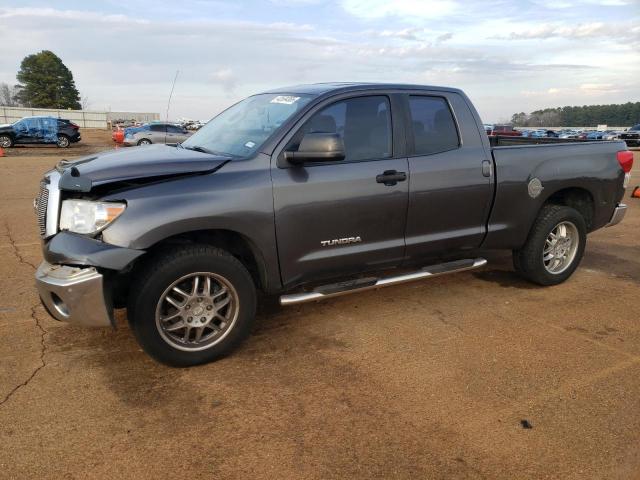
(434, 129)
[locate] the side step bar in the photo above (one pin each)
(362, 284)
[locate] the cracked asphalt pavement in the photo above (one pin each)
(475, 375)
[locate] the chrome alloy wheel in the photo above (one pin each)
(197, 311)
(63, 141)
(5, 141)
(560, 247)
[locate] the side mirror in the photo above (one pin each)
(318, 147)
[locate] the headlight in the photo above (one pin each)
(83, 216)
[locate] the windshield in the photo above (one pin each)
(241, 130)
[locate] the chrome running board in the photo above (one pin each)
(362, 284)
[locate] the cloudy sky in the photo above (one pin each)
(512, 55)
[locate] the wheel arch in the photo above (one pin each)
(578, 198)
(11, 135)
(235, 243)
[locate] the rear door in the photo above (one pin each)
(450, 191)
(340, 218)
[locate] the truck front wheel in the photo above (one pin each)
(554, 247)
(192, 305)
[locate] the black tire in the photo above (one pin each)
(528, 261)
(6, 141)
(63, 141)
(167, 267)
(144, 141)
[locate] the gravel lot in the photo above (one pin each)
(425, 380)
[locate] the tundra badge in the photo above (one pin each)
(340, 241)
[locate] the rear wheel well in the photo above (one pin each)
(578, 199)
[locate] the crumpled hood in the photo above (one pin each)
(133, 163)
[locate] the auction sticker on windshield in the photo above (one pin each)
(286, 99)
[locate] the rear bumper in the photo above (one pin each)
(618, 215)
(75, 295)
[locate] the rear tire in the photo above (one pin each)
(554, 248)
(181, 325)
(144, 141)
(6, 141)
(63, 141)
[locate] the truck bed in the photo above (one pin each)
(588, 165)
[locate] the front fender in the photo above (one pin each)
(67, 248)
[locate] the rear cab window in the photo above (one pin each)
(432, 124)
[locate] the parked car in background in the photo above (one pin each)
(610, 135)
(595, 136)
(155, 133)
(632, 136)
(39, 130)
(505, 130)
(569, 134)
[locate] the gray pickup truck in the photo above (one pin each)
(309, 192)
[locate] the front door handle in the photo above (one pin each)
(391, 177)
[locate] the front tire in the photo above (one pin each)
(144, 141)
(554, 247)
(192, 305)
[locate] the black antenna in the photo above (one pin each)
(169, 104)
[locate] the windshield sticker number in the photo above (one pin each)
(285, 99)
(250, 144)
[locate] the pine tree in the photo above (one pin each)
(45, 82)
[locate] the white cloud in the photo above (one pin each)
(620, 31)
(224, 77)
(564, 4)
(409, 10)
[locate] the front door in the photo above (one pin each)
(346, 217)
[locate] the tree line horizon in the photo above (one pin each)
(616, 115)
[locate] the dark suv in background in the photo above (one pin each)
(37, 130)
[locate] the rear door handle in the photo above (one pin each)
(391, 177)
(486, 168)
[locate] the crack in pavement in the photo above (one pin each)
(14, 247)
(43, 351)
(34, 316)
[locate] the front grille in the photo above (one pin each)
(43, 201)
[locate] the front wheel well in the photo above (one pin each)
(578, 199)
(232, 242)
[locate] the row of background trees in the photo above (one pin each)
(618, 115)
(44, 82)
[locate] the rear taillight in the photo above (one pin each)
(625, 159)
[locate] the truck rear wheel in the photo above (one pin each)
(192, 305)
(554, 247)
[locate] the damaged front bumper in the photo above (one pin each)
(71, 280)
(74, 294)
